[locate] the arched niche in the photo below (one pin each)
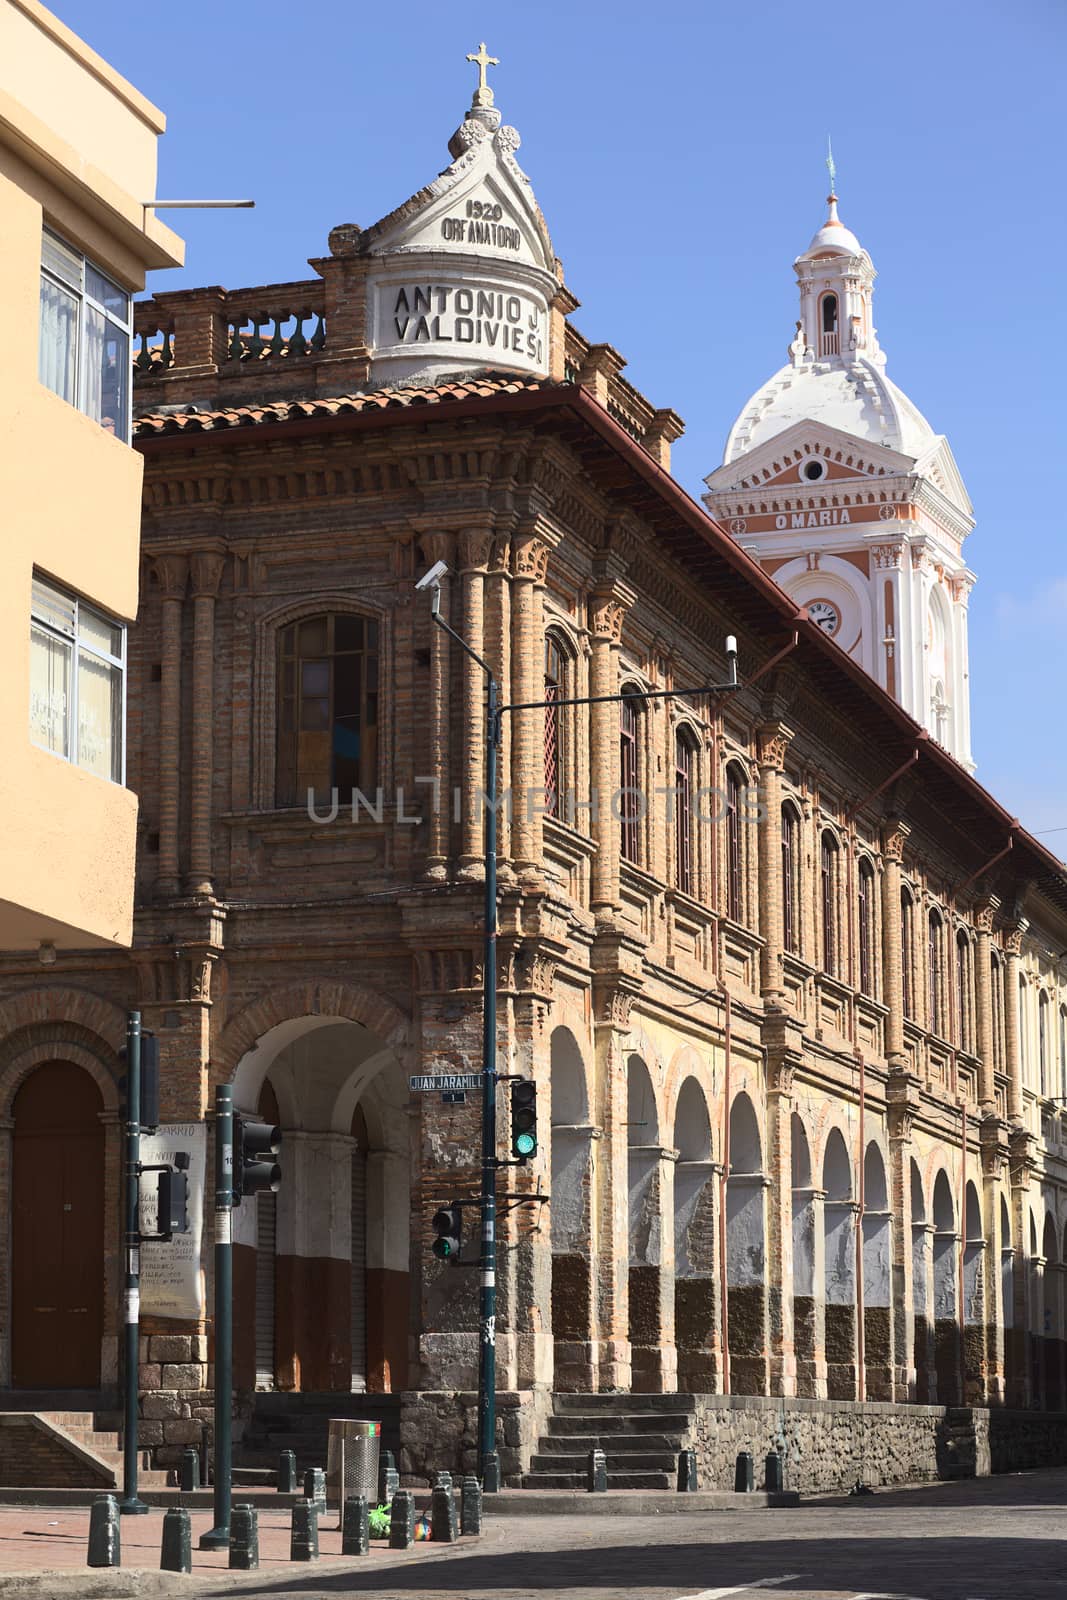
(695, 1287)
(839, 1250)
(571, 1220)
(946, 1292)
(808, 1319)
(746, 1232)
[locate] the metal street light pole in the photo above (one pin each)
(488, 1460)
(218, 1537)
(131, 1503)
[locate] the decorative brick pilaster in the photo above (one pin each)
(774, 740)
(474, 548)
(439, 547)
(172, 574)
(530, 552)
(893, 841)
(1012, 1022)
(206, 570)
(608, 605)
(902, 1105)
(983, 987)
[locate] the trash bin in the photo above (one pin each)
(352, 1462)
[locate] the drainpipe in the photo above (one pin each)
(724, 1180)
(861, 1352)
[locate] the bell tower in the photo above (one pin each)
(839, 487)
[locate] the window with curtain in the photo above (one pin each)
(555, 733)
(828, 859)
(790, 882)
(684, 771)
(629, 778)
(907, 952)
(735, 860)
(865, 909)
(77, 681)
(84, 336)
(327, 700)
(935, 1020)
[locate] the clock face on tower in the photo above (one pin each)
(826, 614)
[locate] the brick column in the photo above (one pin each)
(894, 837)
(923, 1279)
(983, 990)
(474, 548)
(774, 739)
(809, 1302)
(172, 573)
(206, 570)
(497, 635)
(530, 552)
(438, 547)
(611, 1191)
(783, 1044)
(608, 604)
(1012, 1039)
(1020, 1367)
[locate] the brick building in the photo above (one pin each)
(796, 1023)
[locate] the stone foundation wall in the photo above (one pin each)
(831, 1443)
(439, 1432)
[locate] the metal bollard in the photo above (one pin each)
(315, 1488)
(189, 1471)
(287, 1472)
(744, 1473)
(105, 1539)
(597, 1472)
(244, 1538)
(772, 1473)
(388, 1478)
(304, 1535)
(355, 1527)
(470, 1505)
(443, 1514)
(176, 1553)
(687, 1472)
(402, 1521)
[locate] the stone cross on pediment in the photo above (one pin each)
(483, 95)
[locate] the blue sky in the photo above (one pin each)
(677, 154)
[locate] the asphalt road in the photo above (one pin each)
(992, 1539)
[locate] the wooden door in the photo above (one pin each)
(57, 1230)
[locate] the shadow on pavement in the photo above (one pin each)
(931, 1568)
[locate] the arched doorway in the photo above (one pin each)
(574, 1355)
(976, 1293)
(695, 1297)
(946, 1298)
(877, 1270)
(839, 1219)
(746, 1254)
(651, 1315)
(321, 1269)
(57, 1235)
(922, 1305)
(808, 1310)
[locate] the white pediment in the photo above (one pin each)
(784, 452)
(939, 467)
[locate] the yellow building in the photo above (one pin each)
(77, 163)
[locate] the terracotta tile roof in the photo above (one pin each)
(190, 420)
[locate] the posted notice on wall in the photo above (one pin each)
(172, 1274)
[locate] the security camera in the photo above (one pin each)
(431, 579)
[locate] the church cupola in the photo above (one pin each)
(836, 277)
(462, 276)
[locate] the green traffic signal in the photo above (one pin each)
(523, 1118)
(448, 1226)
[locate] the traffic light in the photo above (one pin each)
(523, 1118)
(254, 1144)
(448, 1226)
(173, 1215)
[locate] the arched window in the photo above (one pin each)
(965, 1033)
(685, 757)
(829, 340)
(1042, 1042)
(907, 951)
(935, 1020)
(1063, 1053)
(865, 908)
(1024, 1040)
(735, 861)
(996, 990)
(327, 708)
(629, 778)
(556, 752)
(790, 879)
(828, 859)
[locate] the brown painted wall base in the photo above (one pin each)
(312, 1342)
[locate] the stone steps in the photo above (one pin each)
(641, 1436)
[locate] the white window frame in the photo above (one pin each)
(77, 287)
(79, 645)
